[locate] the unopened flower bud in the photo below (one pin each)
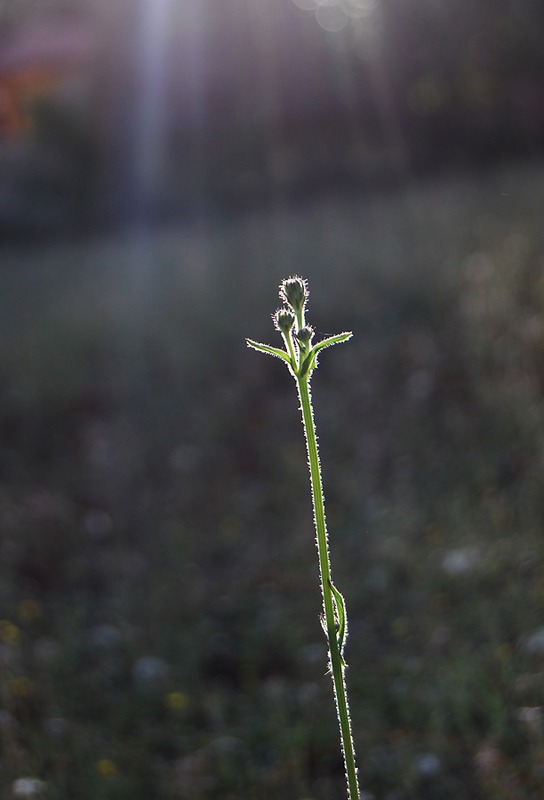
(295, 292)
(284, 319)
(304, 336)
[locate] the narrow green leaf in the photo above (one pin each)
(340, 337)
(266, 348)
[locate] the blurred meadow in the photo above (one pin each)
(159, 601)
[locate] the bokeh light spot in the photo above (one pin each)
(360, 8)
(306, 5)
(331, 18)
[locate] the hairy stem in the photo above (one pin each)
(301, 358)
(337, 665)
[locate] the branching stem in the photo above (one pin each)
(301, 358)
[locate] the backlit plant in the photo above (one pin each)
(301, 355)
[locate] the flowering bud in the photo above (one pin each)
(304, 336)
(295, 292)
(284, 319)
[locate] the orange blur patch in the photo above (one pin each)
(18, 90)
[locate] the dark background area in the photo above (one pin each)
(116, 114)
(163, 166)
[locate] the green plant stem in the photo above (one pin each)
(337, 665)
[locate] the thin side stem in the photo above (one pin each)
(330, 622)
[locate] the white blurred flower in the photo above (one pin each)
(149, 672)
(27, 787)
(460, 561)
(428, 765)
(532, 644)
(104, 636)
(531, 716)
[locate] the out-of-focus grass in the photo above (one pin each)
(160, 633)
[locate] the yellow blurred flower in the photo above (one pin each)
(21, 688)
(176, 701)
(106, 768)
(9, 633)
(29, 610)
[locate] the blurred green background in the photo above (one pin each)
(163, 167)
